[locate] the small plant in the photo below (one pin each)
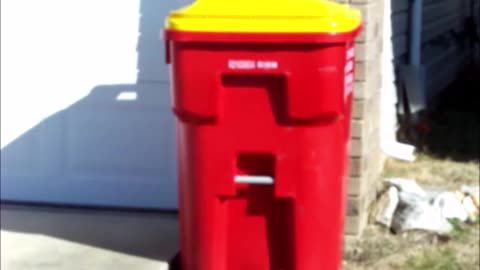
(460, 231)
(434, 260)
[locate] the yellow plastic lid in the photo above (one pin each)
(265, 16)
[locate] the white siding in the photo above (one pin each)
(445, 51)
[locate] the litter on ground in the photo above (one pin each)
(407, 206)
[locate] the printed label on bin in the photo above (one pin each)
(348, 84)
(252, 64)
(267, 64)
(351, 53)
(349, 67)
(349, 77)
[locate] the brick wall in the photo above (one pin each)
(366, 161)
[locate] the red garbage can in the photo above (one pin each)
(262, 95)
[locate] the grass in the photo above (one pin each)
(461, 231)
(442, 173)
(433, 259)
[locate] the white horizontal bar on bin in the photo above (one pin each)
(254, 179)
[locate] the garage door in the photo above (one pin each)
(85, 108)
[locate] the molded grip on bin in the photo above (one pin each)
(195, 85)
(320, 98)
(198, 100)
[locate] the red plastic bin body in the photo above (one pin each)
(275, 105)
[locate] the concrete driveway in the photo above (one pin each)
(43, 238)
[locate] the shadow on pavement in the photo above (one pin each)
(147, 234)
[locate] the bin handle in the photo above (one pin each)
(254, 179)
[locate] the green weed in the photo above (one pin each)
(434, 260)
(460, 231)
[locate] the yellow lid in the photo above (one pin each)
(277, 16)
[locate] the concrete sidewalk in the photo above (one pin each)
(63, 238)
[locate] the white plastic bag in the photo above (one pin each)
(450, 206)
(415, 212)
(405, 185)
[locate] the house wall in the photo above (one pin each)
(366, 159)
(445, 48)
(445, 52)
